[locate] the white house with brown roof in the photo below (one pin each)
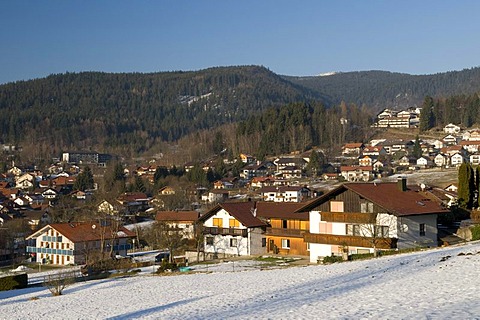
(232, 229)
(215, 195)
(375, 151)
(452, 129)
(353, 149)
(363, 217)
(470, 146)
(441, 160)
(450, 140)
(471, 135)
(184, 220)
(75, 243)
(356, 173)
(285, 193)
(457, 159)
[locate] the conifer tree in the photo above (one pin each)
(417, 149)
(466, 186)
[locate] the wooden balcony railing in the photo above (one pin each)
(285, 232)
(354, 241)
(348, 217)
(225, 231)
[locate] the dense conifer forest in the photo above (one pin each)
(242, 109)
(382, 89)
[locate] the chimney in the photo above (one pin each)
(402, 183)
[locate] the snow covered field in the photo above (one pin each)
(434, 284)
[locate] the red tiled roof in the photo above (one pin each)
(353, 145)
(177, 216)
(87, 231)
(469, 143)
(354, 168)
(280, 189)
(132, 196)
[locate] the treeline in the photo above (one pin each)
(132, 110)
(462, 110)
(381, 89)
(300, 126)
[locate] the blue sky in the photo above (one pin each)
(39, 38)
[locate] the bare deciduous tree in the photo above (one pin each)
(57, 282)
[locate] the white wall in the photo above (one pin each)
(319, 250)
(409, 231)
(314, 217)
(221, 245)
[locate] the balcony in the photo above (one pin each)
(354, 241)
(285, 232)
(225, 231)
(349, 217)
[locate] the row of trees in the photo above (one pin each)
(301, 126)
(460, 109)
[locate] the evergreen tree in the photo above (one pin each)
(466, 186)
(197, 175)
(160, 173)
(84, 180)
(314, 166)
(427, 116)
(417, 148)
(139, 185)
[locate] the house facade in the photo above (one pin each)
(356, 173)
(286, 227)
(233, 229)
(363, 217)
(285, 193)
(184, 220)
(75, 243)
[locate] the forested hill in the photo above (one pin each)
(381, 89)
(108, 111)
(113, 112)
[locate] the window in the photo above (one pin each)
(264, 242)
(284, 224)
(209, 241)
(233, 242)
(381, 231)
(366, 207)
(336, 206)
(422, 229)
(218, 222)
(233, 223)
(353, 230)
(285, 243)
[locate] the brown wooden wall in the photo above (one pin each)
(351, 203)
(291, 224)
(297, 246)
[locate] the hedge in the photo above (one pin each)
(17, 281)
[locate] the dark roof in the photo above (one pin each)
(282, 210)
(242, 211)
(387, 196)
(177, 216)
